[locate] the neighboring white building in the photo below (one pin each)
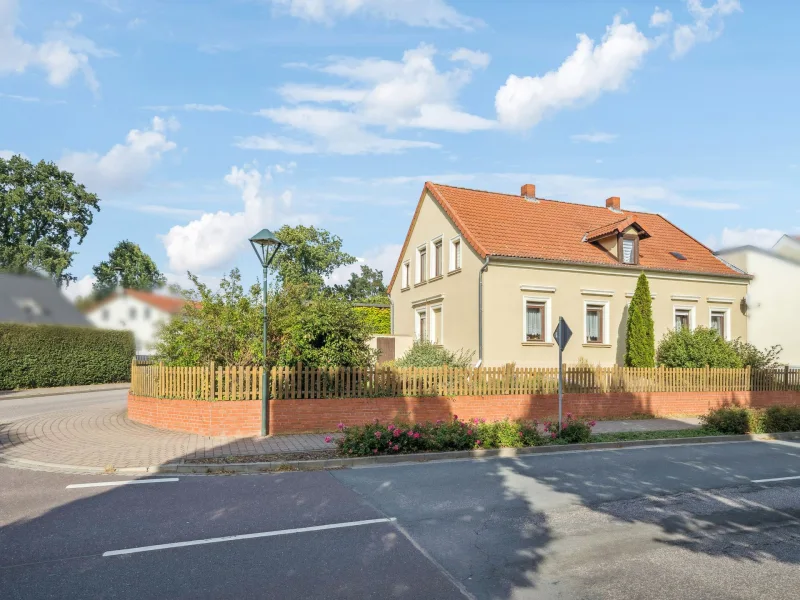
(141, 313)
(773, 296)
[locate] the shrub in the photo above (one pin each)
(377, 318)
(782, 418)
(755, 358)
(702, 347)
(425, 354)
(34, 356)
(574, 430)
(640, 337)
(730, 420)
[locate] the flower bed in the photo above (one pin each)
(455, 434)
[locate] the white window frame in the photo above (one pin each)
(548, 318)
(452, 266)
(419, 275)
(432, 258)
(726, 312)
(417, 313)
(622, 241)
(432, 324)
(605, 304)
(405, 275)
(692, 315)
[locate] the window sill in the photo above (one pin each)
(405, 289)
(437, 278)
(454, 271)
(596, 345)
(538, 344)
(416, 285)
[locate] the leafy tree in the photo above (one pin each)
(379, 319)
(42, 210)
(702, 347)
(129, 267)
(308, 256)
(224, 327)
(640, 335)
(367, 286)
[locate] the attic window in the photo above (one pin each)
(678, 255)
(629, 249)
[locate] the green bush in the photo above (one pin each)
(425, 354)
(782, 418)
(755, 358)
(444, 435)
(698, 348)
(34, 356)
(640, 337)
(574, 430)
(377, 318)
(729, 420)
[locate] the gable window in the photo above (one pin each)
(422, 261)
(594, 324)
(629, 250)
(683, 319)
(404, 274)
(436, 265)
(718, 321)
(455, 254)
(534, 321)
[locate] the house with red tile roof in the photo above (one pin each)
(137, 311)
(492, 273)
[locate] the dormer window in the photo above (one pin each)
(629, 249)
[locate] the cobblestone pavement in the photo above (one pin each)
(108, 438)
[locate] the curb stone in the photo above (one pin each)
(38, 393)
(374, 461)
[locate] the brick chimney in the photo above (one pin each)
(613, 203)
(528, 191)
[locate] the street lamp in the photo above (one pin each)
(265, 245)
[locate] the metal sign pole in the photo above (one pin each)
(560, 378)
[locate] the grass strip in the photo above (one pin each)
(629, 436)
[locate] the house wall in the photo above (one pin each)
(773, 299)
(130, 314)
(576, 286)
(788, 247)
(456, 292)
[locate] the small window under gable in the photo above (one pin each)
(620, 239)
(629, 250)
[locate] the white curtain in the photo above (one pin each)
(592, 326)
(533, 322)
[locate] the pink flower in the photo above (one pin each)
(563, 426)
(328, 439)
(439, 421)
(569, 415)
(483, 420)
(478, 442)
(475, 420)
(553, 435)
(520, 434)
(592, 423)
(395, 447)
(396, 433)
(469, 431)
(340, 426)
(455, 417)
(390, 427)
(374, 450)
(416, 436)
(378, 434)
(410, 433)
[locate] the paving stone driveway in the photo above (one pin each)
(95, 438)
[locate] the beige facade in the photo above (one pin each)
(449, 303)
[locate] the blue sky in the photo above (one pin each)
(199, 122)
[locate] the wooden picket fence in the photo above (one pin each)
(213, 383)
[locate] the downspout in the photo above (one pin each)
(480, 310)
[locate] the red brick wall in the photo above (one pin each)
(305, 416)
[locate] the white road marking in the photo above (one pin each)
(247, 536)
(774, 479)
(131, 482)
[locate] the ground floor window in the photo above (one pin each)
(534, 321)
(437, 325)
(719, 322)
(422, 324)
(594, 324)
(683, 318)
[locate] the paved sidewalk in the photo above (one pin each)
(59, 391)
(103, 438)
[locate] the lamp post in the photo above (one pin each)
(265, 245)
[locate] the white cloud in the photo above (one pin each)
(734, 237)
(383, 258)
(476, 58)
(136, 23)
(590, 71)
(215, 238)
(707, 25)
(124, 166)
(62, 53)
(419, 13)
(594, 138)
(380, 95)
(189, 108)
(7, 154)
(660, 18)
(79, 289)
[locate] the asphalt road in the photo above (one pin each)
(12, 409)
(661, 522)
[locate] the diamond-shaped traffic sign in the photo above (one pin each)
(562, 334)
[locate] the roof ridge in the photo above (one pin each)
(518, 197)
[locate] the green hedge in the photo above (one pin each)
(34, 356)
(378, 318)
